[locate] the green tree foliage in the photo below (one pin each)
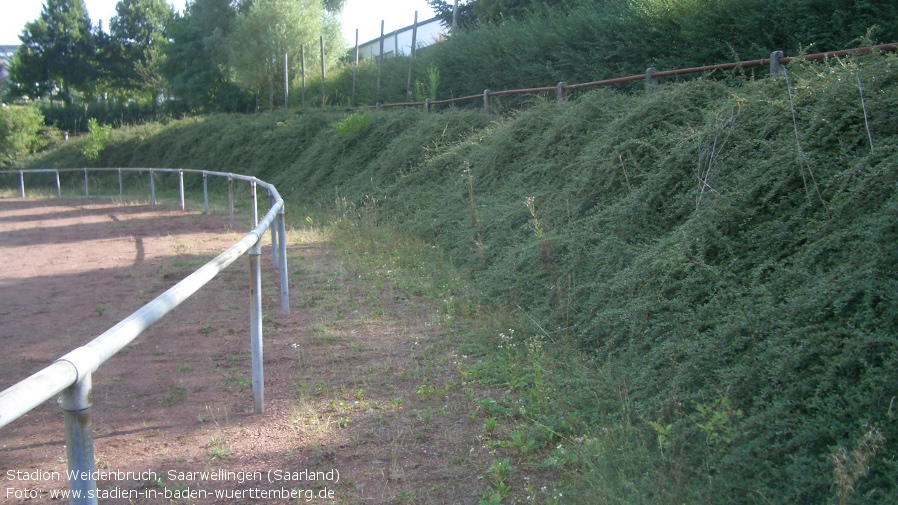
(474, 12)
(138, 30)
(496, 11)
(272, 28)
(196, 64)
(57, 49)
(95, 140)
(26, 78)
(465, 19)
(19, 132)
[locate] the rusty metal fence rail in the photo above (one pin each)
(562, 89)
(70, 375)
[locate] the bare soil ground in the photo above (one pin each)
(364, 391)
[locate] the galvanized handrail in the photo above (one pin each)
(70, 375)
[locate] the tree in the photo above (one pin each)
(496, 11)
(270, 29)
(196, 59)
(27, 76)
(475, 12)
(19, 132)
(137, 32)
(57, 49)
(464, 19)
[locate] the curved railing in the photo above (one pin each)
(70, 375)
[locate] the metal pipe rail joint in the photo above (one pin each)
(70, 375)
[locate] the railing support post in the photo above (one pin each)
(181, 188)
(775, 66)
(282, 267)
(58, 186)
(274, 234)
(255, 203)
(560, 93)
(487, 102)
(152, 189)
(86, 195)
(205, 193)
(427, 105)
(255, 277)
(79, 447)
(121, 193)
(21, 184)
(231, 199)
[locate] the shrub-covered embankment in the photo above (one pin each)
(727, 256)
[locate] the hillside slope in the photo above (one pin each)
(725, 254)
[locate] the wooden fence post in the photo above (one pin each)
(487, 102)
(560, 93)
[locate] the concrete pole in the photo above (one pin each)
(302, 69)
(775, 66)
(411, 60)
(323, 73)
(356, 66)
(380, 60)
(650, 79)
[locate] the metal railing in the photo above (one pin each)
(70, 375)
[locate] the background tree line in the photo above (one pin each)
(228, 56)
(217, 55)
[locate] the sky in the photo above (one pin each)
(364, 15)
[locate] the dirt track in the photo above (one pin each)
(69, 270)
(360, 379)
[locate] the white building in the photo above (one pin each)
(399, 42)
(6, 53)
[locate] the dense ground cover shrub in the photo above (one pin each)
(712, 267)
